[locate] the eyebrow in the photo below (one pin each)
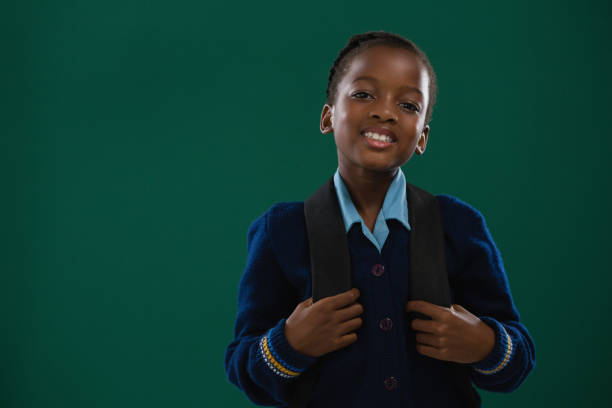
(369, 78)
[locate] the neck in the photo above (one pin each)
(367, 188)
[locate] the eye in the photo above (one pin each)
(361, 93)
(410, 106)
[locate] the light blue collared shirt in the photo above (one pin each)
(394, 206)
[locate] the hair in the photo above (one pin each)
(360, 42)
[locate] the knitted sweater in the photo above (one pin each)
(382, 368)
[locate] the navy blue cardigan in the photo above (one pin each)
(382, 368)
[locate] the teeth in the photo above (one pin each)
(379, 137)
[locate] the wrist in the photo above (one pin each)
(289, 331)
(501, 353)
(280, 356)
(486, 342)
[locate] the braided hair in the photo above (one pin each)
(361, 42)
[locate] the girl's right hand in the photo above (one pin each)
(325, 326)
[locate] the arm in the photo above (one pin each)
(481, 286)
(259, 360)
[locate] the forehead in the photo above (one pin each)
(390, 66)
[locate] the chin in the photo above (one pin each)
(380, 167)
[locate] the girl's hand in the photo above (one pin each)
(325, 326)
(453, 334)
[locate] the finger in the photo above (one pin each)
(429, 351)
(345, 340)
(349, 312)
(428, 339)
(459, 308)
(304, 304)
(434, 311)
(341, 300)
(350, 325)
(427, 326)
(307, 302)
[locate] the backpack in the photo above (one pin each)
(331, 268)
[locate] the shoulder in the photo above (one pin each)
(461, 219)
(286, 211)
(282, 231)
(455, 210)
(285, 214)
(280, 219)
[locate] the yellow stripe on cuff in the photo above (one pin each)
(504, 361)
(279, 366)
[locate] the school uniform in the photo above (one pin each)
(382, 368)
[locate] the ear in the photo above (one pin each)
(422, 143)
(326, 119)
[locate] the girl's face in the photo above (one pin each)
(378, 118)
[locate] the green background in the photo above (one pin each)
(139, 139)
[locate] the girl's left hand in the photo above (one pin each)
(453, 334)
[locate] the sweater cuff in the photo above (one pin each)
(279, 356)
(501, 353)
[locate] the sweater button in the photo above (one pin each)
(385, 324)
(378, 270)
(390, 383)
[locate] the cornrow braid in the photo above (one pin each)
(361, 42)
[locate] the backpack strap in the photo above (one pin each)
(331, 267)
(330, 260)
(329, 253)
(428, 278)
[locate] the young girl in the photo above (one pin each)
(367, 347)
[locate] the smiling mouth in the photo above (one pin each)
(377, 141)
(378, 137)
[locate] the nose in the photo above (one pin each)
(384, 111)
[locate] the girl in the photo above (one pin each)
(367, 348)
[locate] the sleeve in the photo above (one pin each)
(259, 360)
(481, 286)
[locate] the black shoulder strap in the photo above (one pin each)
(329, 253)
(330, 265)
(330, 261)
(428, 277)
(330, 258)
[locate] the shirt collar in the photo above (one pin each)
(395, 205)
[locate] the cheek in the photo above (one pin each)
(340, 117)
(420, 123)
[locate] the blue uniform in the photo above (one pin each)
(382, 368)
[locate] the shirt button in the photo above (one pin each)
(391, 383)
(378, 270)
(385, 324)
